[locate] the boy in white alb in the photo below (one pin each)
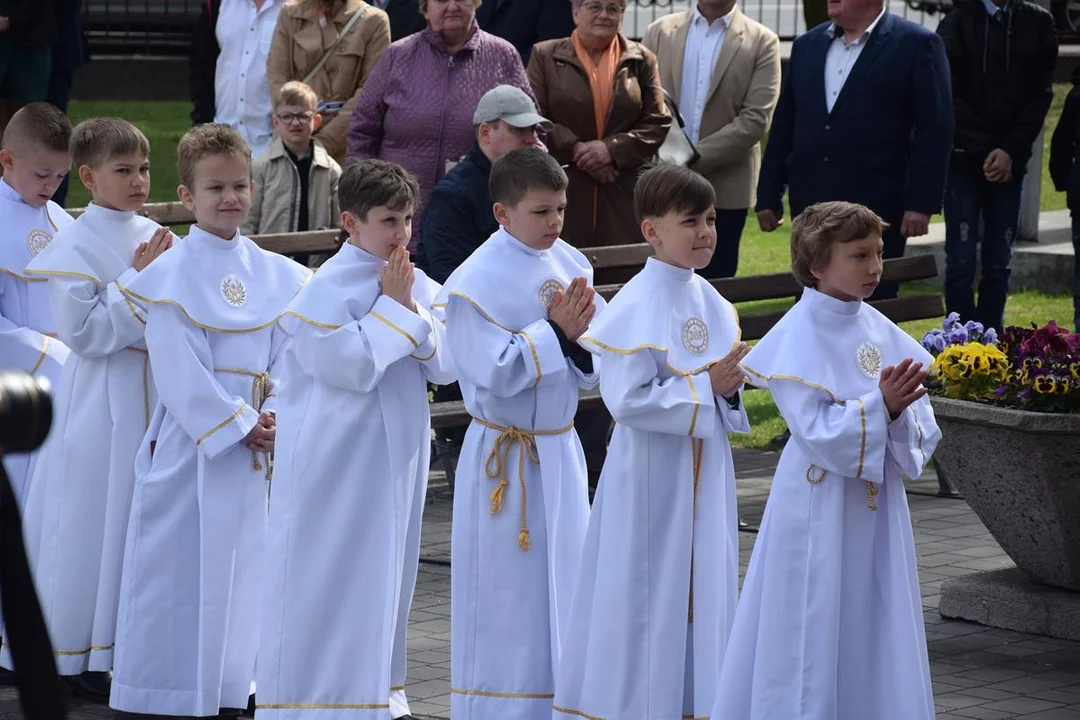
(514, 310)
(656, 591)
(830, 621)
(77, 509)
(351, 454)
(35, 159)
(189, 600)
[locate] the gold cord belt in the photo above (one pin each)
(872, 490)
(498, 461)
(260, 391)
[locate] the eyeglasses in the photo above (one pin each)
(289, 118)
(594, 8)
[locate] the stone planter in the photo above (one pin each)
(1020, 472)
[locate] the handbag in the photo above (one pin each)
(676, 148)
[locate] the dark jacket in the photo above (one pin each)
(405, 18)
(1065, 147)
(202, 64)
(886, 142)
(69, 51)
(1002, 75)
(33, 24)
(458, 218)
(526, 22)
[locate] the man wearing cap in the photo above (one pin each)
(458, 217)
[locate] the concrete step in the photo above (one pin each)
(1045, 266)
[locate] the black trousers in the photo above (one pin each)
(894, 248)
(729, 229)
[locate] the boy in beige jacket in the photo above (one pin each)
(295, 180)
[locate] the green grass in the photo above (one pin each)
(165, 122)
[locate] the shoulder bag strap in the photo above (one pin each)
(330, 50)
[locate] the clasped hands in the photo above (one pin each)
(594, 158)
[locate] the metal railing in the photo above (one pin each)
(164, 27)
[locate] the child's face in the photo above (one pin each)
(220, 193)
(121, 182)
(537, 220)
(681, 238)
(853, 271)
(34, 172)
(381, 230)
(295, 124)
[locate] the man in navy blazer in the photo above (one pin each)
(865, 115)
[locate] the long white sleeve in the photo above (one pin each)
(91, 320)
(278, 344)
(846, 437)
(913, 437)
(735, 419)
(355, 356)
(638, 398)
(502, 362)
(435, 360)
(183, 373)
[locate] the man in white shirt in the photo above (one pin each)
(723, 71)
(228, 67)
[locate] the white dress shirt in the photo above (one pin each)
(703, 43)
(241, 90)
(841, 58)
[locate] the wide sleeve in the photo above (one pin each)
(932, 131)
(501, 361)
(773, 180)
(913, 437)
(630, 150)
(637, 397)
(732, 142)
(187, 387)
(355, 356)
(560, 139)
(334, 132)
(735, 418)
(365, 135)
(92, 320)
(847, 437)
(435, 361)
(279, 340)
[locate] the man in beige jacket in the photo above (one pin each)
(723, 71)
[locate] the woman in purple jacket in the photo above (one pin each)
(416, 108)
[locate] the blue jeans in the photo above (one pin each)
(969, 197)
(1076, 270)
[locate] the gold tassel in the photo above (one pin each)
(523, 539)
(497, 496)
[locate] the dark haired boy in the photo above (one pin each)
(656, 590)
(514, 311)
(829, 623)
(352, 461)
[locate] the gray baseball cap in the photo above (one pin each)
(511, 105)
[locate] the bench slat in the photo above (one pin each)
(163, 213)
(311, 241)
(618, 256)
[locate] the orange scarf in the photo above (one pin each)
(601, 77)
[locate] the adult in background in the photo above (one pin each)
(405, 17)
(27, 32)
(68, 54)
(1002, 54)
(417, 110)
(332, 46)
(227, 67)
(603, 93)
(865, 115)
(526, 22)
(723, 71)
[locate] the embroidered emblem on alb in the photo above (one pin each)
(37, 241)
(549, 289)
(695, 335)
(869, 359)
(233, 291)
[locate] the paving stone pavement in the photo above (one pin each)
(978, 673)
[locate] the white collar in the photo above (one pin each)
(724, 20)
(828, 303)
(668, 271)
(9, 193)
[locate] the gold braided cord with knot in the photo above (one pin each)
(260, 391)
(498, 461)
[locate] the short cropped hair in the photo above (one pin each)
(96, 140)
(295, 92)
(666, 188)
(820, 226)
(203, 141)
(376, 183)
(41, 125)
(519, 171)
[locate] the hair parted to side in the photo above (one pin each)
(376, 183)
(519, 171)
(97, 140)
(665, 188)
(297, 93)
(41, 125)
(203, 141)
(820, 226)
